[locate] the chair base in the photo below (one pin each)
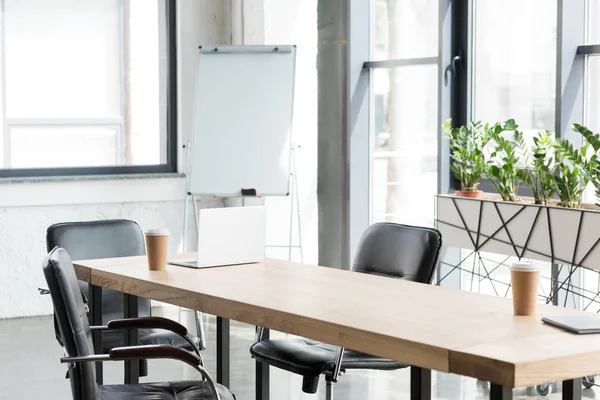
(143, 369)
(310, 384)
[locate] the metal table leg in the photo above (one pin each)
(498, 392)
(223, 352)
(132, 367)
(262, 374)
(571, 389)
(95, 317)
(420, 383)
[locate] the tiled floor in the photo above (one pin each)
(30, 369)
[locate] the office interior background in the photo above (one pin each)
(96, 101)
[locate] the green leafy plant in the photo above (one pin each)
(574, 170)
(540, 165)
(591, 167)
(467, 144)
(503, 162)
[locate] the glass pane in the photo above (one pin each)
(63, 147)
(515, 59)
(404, 160)
(62, 58)
(405, 29)
(86, 65)
(146, 66)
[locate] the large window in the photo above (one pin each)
(87, 86)
(404, 127)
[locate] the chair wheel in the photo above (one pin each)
(588, 381)
(543, 390)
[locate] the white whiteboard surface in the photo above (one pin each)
(242, 120)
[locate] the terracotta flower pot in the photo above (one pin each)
(473, 194)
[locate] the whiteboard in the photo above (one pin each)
(242, 120)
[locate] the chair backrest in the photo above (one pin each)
(89, 240)
(399, 251)
(72, 321)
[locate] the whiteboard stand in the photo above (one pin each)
(294, 197)
(294, 211)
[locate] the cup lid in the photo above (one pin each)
(157, 231)
(524, 265)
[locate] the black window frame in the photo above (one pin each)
(171, 146)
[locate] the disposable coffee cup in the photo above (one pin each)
(525, 277)
(157, 245)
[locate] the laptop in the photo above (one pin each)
(229, 236)
(579, 324)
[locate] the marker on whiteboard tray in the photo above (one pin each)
(250, 192)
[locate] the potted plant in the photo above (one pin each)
(503, 162)
(468, 162)
(540, 165)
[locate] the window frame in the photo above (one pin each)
(171, 122)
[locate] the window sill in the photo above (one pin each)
(91, 189)
(82, 178)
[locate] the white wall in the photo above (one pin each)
(27, 209)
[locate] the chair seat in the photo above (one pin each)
(311, 358)
(112, 339)
(189, 390)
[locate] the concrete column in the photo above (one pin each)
(333, 142)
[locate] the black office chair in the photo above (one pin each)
(115, 238)
(386, 249)
(76, 335)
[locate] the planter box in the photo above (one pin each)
(545, 233)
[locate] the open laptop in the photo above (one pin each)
(228, 236)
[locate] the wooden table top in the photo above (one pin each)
(446, 330)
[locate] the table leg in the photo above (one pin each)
(571, 389)
(95, 318)
(132, 367)
(420, 383)
(223, 352)
(499, 392)
(262, 374)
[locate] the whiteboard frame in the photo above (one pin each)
(242, 49)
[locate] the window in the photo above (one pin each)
(404, 125)
(87, 87)
(514, 71)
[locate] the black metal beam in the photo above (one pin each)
(262, 374)
(130, 310)
(498, 392)
(223, 352)
(420, 383)
(571, 389)
(95, 318)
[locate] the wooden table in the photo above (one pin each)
(429, 327)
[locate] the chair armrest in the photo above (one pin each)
(153, 351)
(149, 352)
(150, 323)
